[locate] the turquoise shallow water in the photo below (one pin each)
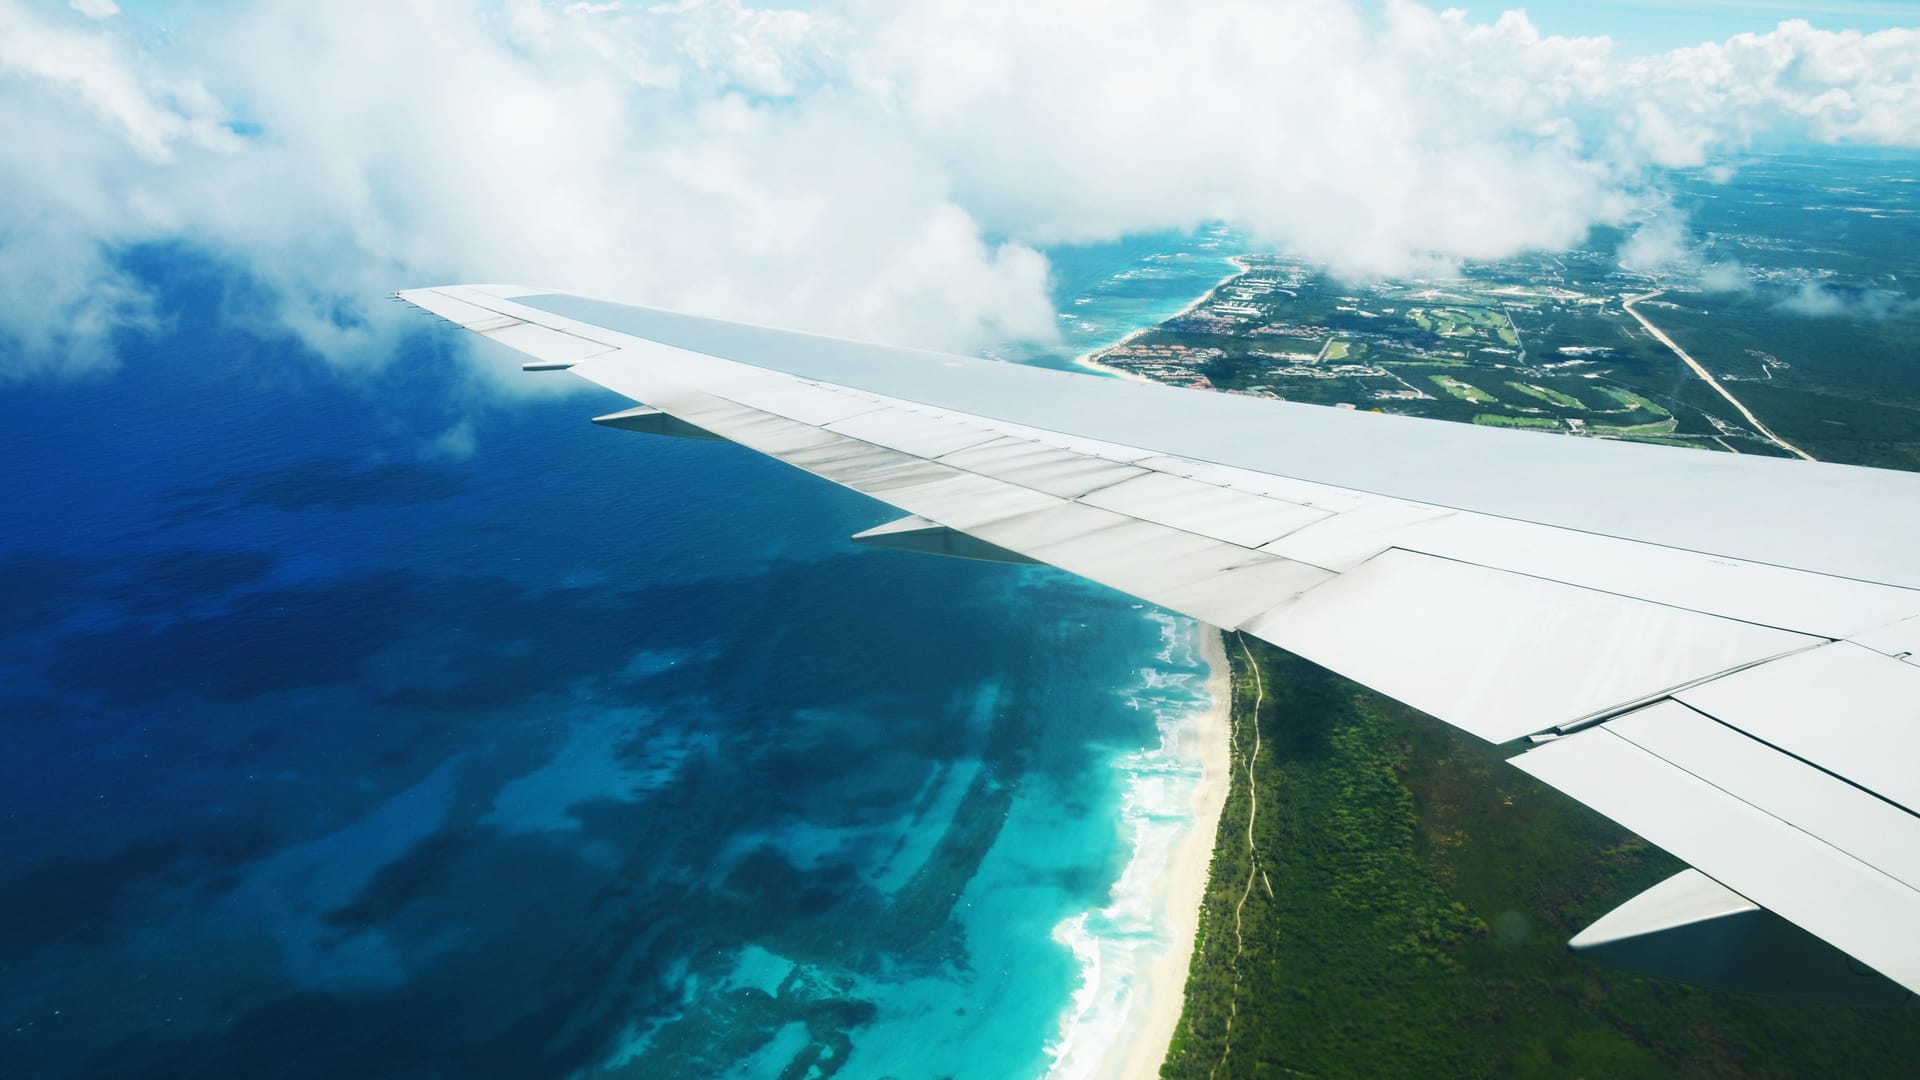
(1106, 291)
(329, 756)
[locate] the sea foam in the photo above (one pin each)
(1113, 944)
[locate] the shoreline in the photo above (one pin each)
(1160, 995)
(1091, 358)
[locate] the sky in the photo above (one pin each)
(1641, 27)
(883, 170)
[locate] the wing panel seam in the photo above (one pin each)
(1757, 808)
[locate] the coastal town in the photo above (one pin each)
(1550, 343)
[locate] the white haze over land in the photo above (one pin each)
(880, 170)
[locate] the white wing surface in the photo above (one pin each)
(1717, 651)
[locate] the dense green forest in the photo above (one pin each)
(1404, 908)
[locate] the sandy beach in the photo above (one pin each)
(1160, 991)
(1092, 359)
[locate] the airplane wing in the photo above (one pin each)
(1716, 651)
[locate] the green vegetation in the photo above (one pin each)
(1662, 427)
(1464, 391)
(1549, 395)
(1691, 444)
(1421, 894)
(1454, 322)
(1819, 346)
(1497, 420)
(1631, 400)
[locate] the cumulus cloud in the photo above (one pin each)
(1663, 245)
(1658, 246)
(1820, 300)
(1365, 147)
(456, 443)
(338, 152)
(1726, 277)
(1841, 86)
(866, 168)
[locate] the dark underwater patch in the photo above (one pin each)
(271, 641)
(76, 899)
(318, 484)
(36, 588)
(524, 961)
(170, 580)
(406, 879)
(39, 590)
(29, 711)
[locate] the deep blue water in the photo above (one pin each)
(333, 748)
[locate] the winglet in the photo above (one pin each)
(652, 421)
(915, 533)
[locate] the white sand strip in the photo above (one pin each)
(1161, 984)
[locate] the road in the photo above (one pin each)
(1660, 335)
(1253, 853)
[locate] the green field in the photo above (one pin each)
(1660, 427)
(1690, 444)
(1455, 322)
(1464, 391)
(1549, 395)
(1631, 400)
(1497, 420)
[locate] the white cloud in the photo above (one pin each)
(1725, 277)
(1364, 148)
(869, 168)
(1822, 301)
(456, 443)
(1663, 245)
(1658, 246)
(96, 9)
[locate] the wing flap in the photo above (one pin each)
(1822, 805)
(1900, 640)
(1824, 889)
(1502, 655)
(1843, 708)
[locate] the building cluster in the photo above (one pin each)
(1206, 321)
(1178, 364)
(1290, 330)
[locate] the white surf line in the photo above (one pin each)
(1659, 335)
(1091, 358)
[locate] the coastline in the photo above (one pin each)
(1182, 886)
(1143, 1007)
(1091, 358)
(1136, 951)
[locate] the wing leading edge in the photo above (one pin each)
(1715, 651)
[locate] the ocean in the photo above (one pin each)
(365, 721)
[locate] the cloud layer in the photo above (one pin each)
(866, 168)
